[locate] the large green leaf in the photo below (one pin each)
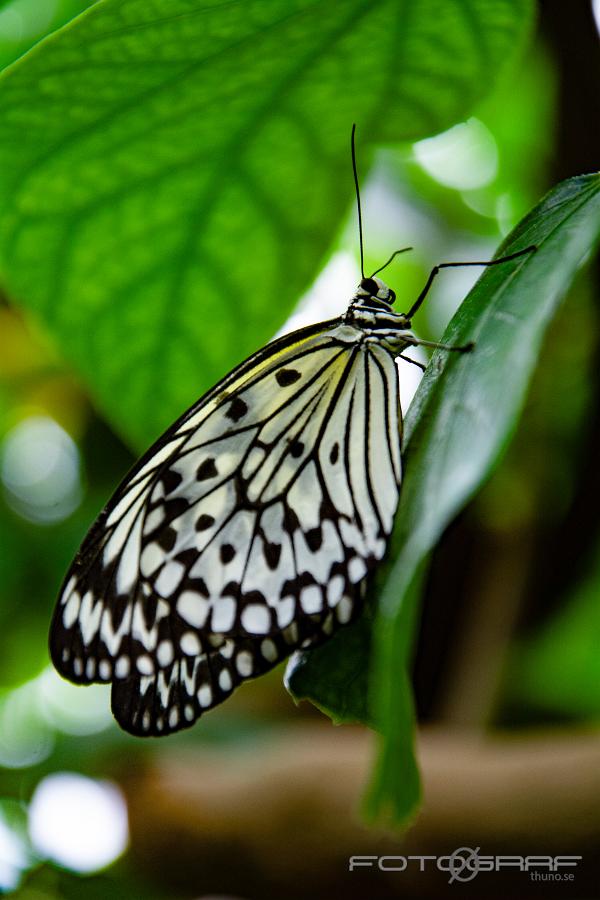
(457, 426)
(173, 172)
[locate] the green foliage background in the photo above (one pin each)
(156, 162)
(173, 176)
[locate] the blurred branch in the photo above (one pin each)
(284, 817)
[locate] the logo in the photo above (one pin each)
(465, 863)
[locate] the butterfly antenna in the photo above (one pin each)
(360, 229)
(386, 264)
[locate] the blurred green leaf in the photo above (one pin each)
(457, 427)
(557, 670)
(171, 171)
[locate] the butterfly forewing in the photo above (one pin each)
(244, 533)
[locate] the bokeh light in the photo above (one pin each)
(596, 11)
(73, 709)
(464, 157)
(25, 19)
(41, 470)
(32, 713)
(25, 738)
(78, 822)
(14, 854)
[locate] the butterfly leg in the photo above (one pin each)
(413, 361)
(417, 342)
(436, 270)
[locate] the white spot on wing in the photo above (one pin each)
(68, 588)
(335, 589)
(189, 643)
(311, 599)
(256, 618)
(244, 663)
(145, 665)
(223, 614)
(169, 578)
(193, 608)
(344, 610)
(89, 617)
(152, 557)
(225, 682)
(205, 695)
(122, 667)
(356, 569)
(164, 653)
(104, 670)
(268, 650)
(154, 519)
(71, 610)
(285, 611)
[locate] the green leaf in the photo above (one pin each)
(334, 679)
(461, 419)
(172, 173)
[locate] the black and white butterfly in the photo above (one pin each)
(249, 528)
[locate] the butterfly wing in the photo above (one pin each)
(241, 535)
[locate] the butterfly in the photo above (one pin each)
(250, 528)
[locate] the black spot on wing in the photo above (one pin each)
(171, 480)
(285, 377)
(314, 538)
(204, 521)
(290, 520)
(175, 508)
(272, 553)
(206, 469)
(226, 553)
(296, 449)
(198, 585)
(166, 538)
(237, 409)
(187, 557)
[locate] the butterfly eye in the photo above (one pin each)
(370, 286)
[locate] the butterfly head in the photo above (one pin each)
(374, 290)
(371, 308)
